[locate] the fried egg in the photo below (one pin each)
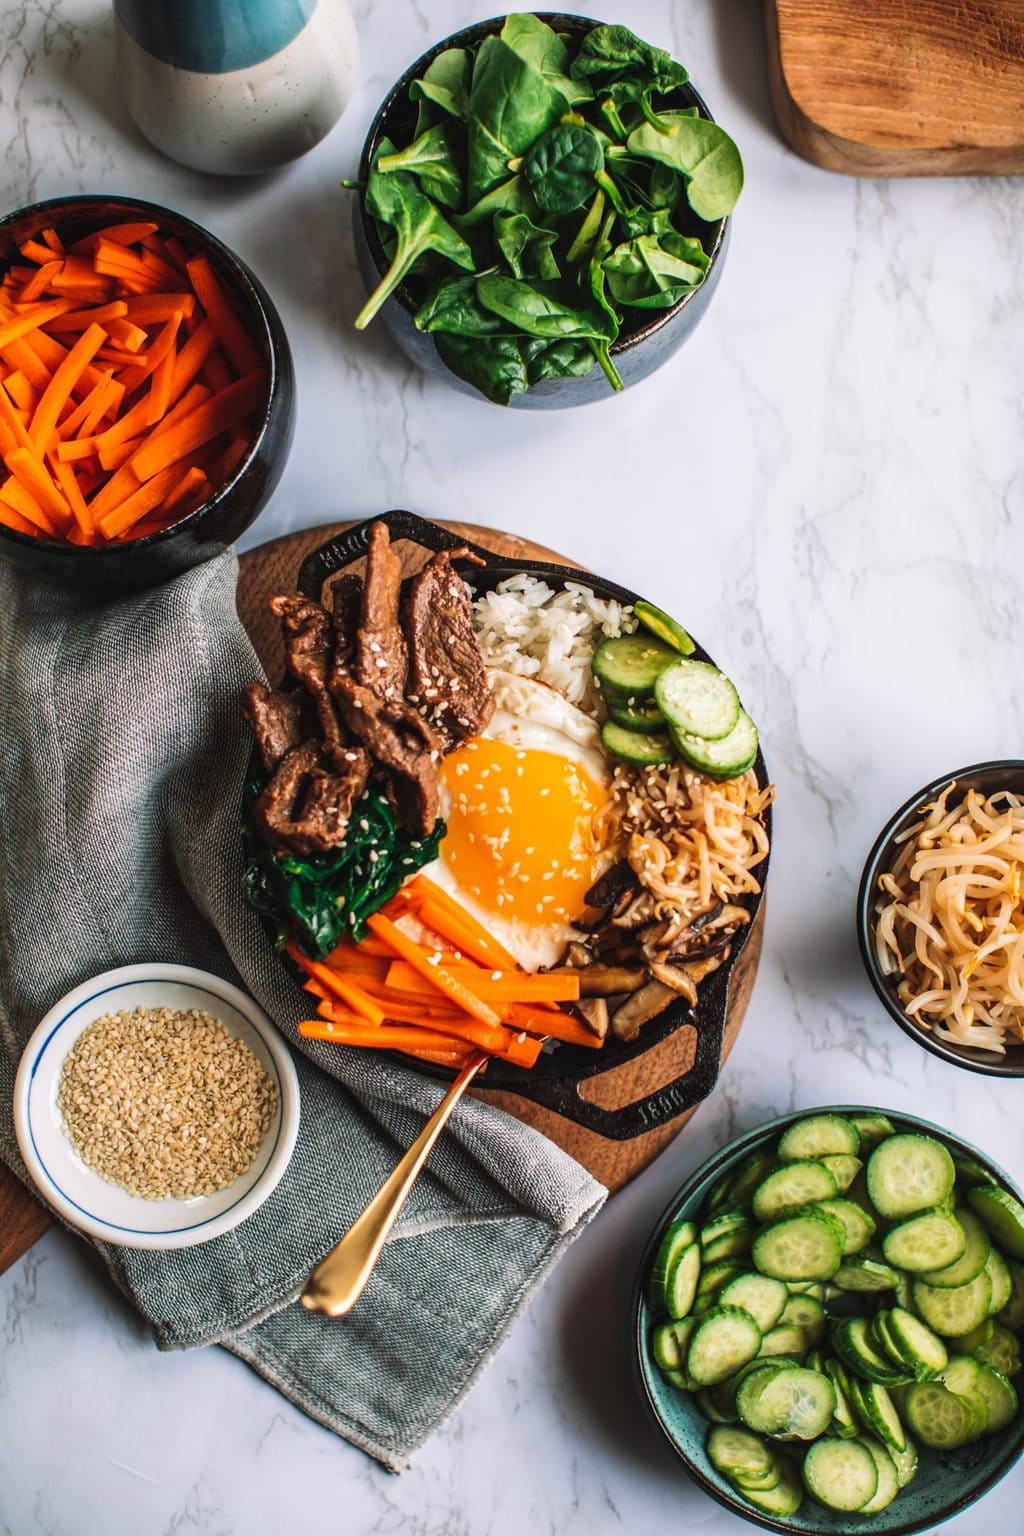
(519, 801)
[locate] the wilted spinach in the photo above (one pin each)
(572, 196)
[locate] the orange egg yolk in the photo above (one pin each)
(520, 838)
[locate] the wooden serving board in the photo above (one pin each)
(274, 568)
(900, 87)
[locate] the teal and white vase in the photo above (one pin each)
(235, 86)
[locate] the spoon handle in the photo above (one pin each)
(339, 1279)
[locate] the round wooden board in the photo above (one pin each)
(274, 568)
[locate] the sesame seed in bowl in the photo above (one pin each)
(156, 1106)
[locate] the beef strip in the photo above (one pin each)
(346, 605)
(309, 648)
(400, 741)
(275, 719)
(446, 670)
(305, 807)
(381, 659)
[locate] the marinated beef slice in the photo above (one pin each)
(275, 719)
(309, 649)
(402, 743)
(306, 806)
(381, 660)
(446, 670)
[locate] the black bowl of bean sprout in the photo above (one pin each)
(940, 917)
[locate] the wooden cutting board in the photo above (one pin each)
(900, 87)
(274, 568)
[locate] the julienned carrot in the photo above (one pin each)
(192, 483)
(556, 1025)
(32, 319)
(163, 377)
(35, 250)
(442, 979)
(12, 519)
(397, 1037)
(134, 507)
(510, 986)
(120, 234)
(232, 334)
(60, 386)
(38, 285)
(221, 412)
(340, 987)
(149, 309)
(14, 494)
(27, 469)
(21, 391)
(68, 483)
(53, 240)
(422, 889)
(78, 319)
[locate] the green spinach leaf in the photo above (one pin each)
(699, 151)
(539, 311)
(452, 306)
(526, 248)
(510, 105)
(556, 359)
(542, 47)
(493, 364)
(653, 273)
(394, 199)
(562, 165)
(445, 84)
(613, 57)
(511, 196)
(432, 160)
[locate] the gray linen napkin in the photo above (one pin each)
(121, 769)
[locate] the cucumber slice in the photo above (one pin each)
(888, 1482)
(665, 1348)
(999, 1396)
(738, 1453)
(806, 1313)
(970, 1172)
(961, 1378)
(720, 1191)
(749, 1174)
(785, 1339)
(697, 699)
(642, 717)
(787, 1402)
(759, 1295)
(630, 664)
(677, 1379)
(725, 759)
(1001, 1351)
(932, 1240)
(973, 1259)
(724, 1339)
(784, 1499)
(641, 750)
(872, 1129)
(1003, 1216)
(937, 1416)
(877, 1412)
(731, 1245)
(681, 1286)
(923, 1350)
(954, 1310)
(804, 1247)
(860, 1273)
(844, 1422)
(722, 1223)
(711, 1409)
(970, 1343)
(855, 1221)
(791, 1186)
(677, 1236)
(666, 629)
(841, 1474)
(855, 1346)
(907, 1173)
(843, 1168)
(1012, 1315)
(1002, 1285)
(819, 1136)
(714, 1276)
(881, 1337)
(905, 1462)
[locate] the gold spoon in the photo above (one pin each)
(339, 1280)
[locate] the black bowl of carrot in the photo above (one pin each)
(147, 395)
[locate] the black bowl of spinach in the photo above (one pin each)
(543, 209)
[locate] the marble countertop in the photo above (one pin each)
(839, 512)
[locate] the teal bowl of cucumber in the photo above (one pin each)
(828, 1323)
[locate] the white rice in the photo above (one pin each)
(525, 626)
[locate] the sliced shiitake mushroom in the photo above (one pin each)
(576, 956)
(594, 1013)
(637, 913)
(675, 977)
(638, 1010)
(616, 883)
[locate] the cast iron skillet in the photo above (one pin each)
(555, 1080)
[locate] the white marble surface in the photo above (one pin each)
(826, 485)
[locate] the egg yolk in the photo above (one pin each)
(519, 830)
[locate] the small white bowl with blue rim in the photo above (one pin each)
(78, 1194)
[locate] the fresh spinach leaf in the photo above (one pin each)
(562, 165)
(432, 160)
(539, 311)
(699, 151)
(493, 364)
(510, 105)
(511, 196)
(526, 248)
(445, 84)
(452, 306)
(611, 57)
(394, 199)
(653, 273)
(556, 359)
(600, 345)
(587, 233)
(542, 47)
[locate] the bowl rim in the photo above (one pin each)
(59, 1017)
(475, 31)
(985, 1063)
(245, 280)
(718, 1163)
